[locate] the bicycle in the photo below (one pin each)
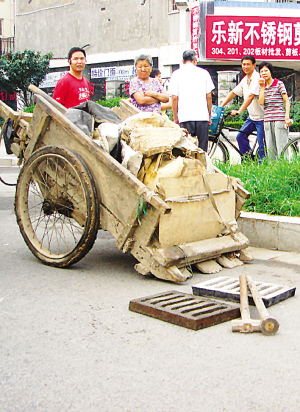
(291, 149)
(217, 149)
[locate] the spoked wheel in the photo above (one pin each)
(56, 206)
(217, 150)
(292, 149)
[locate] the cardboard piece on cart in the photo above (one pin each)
(165, 168)
(146, 119)
(188, 197)
(153, 140)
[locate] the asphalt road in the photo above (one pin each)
(69, 343)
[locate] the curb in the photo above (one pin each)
(5, 159)
(8, 160)
(271, 232)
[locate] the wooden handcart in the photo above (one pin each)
(69, 188)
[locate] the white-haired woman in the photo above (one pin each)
(146, 93)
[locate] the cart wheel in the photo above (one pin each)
(56, 206)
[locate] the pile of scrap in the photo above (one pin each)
(205, 202)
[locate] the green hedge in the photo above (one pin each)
(110, 102)
(274, 185)
(29, 109)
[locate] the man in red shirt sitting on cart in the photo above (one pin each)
(73, 89)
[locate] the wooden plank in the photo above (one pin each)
(128, 230)
(171, 273)
(200, 251)
(208, 266)
(128, 108)
(144, 255)
(15, 148)
(142, 270)
(119, 112)
(229, 263)
(143, 234)
(35, 131)
(6, 111)
(109, 222)
(139, 232)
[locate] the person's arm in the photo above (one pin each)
(228, 98)
(288, 122)
(144, 100)
(261, 98)
(167, 106)
(209, 104)
(244, 106)
(160, 97)
(175, 108)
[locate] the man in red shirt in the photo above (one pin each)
(73, 89)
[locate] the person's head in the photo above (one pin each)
(248, 64)
(76, 59)
(266, 70)
(189, 56)
(156, 74)
(143, 65)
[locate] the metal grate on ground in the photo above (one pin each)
(229, 289)
(182, 309)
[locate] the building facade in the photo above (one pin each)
(113, 32)
(7, 25)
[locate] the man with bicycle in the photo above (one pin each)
(249, 89)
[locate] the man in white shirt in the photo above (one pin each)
(249, 89)
(190, 89)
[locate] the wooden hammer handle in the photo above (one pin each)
(245, 312)
(269, 325)
(263, 313)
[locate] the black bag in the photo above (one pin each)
(8, 131)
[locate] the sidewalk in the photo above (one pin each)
(5, 159)
(280, 256)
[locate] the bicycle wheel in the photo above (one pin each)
(292, 149)
(56, 206)
(217, 150)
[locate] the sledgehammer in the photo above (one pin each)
(246, 324)
(269, 326)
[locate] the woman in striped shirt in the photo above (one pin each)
(274, 98)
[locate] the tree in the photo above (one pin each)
(19, 70)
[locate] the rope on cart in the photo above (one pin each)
(187, 263)
(138, 209)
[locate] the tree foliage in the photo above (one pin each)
(19, 70)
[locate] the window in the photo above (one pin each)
(172, 5)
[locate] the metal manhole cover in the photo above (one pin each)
(229, 288)
(182, 309)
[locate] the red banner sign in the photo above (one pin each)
(195, 29)
(265, 38)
